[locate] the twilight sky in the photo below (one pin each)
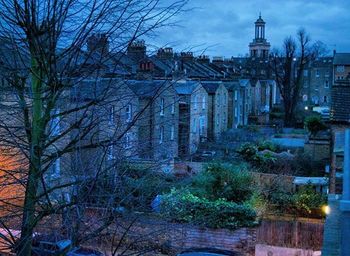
(226, 27)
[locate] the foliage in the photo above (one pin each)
(247, 151)
(183, 206)
(306, 200)
(314, 124)
(232, 183)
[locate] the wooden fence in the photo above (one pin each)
(293, 234)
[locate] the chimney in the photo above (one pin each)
(203, 59)
(98, 43)
(186, 56)
(218, 61)
(137, 50)
(165, 53)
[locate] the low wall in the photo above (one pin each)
(267, 250)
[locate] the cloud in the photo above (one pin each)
(226, 27)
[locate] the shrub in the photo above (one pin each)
(232, 183)
(314, 124)
(307, 199)
(266, 144)
(247, 151)
(183, 206)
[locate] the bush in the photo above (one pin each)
(183, 206)
(314, 124)
(247, 151)
(306, 200)
(232, 183)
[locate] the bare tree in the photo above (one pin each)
(45, 64)
(288, 67)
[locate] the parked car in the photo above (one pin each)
(47, 248)
(209, 252)
(80, 251)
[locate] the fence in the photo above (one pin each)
(293, 234)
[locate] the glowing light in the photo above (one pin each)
(326, 209)
(306, 108)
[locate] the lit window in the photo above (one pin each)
(306, 73)
(236, 95)
(203, 102)
(304, 97)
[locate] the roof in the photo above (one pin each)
(146, 88)
(211, 87)
(341, 102)
(232, 85)
(186, 87)
(341, 59)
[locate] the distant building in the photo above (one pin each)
(218, 108)
(260, 47)
(341, 66)
(317, 83)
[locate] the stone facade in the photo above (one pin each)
(317, 83)
(218, 108)
(193, 123)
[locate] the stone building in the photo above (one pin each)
(193, 116)
(259, 48)
(217, 108)
(239, 102)
(341, 66)
(317, 83)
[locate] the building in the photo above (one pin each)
(260, 47)
(341, 66)
(218, 108)
(317, 83)
(193, 116)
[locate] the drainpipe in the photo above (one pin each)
(345, 202)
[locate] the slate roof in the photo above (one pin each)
(211, 87)
(341, 59)
(146, 88)
(340, 107)
(186, 87)
(232, 85)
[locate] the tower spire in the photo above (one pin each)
(260, 15)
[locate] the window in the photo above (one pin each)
(236, 112)
(201, 125)
(305, 97)
(173, 106)
(325, 99)
(317, 73)
(224, 98)
(326, 84)
(56, 168)
(161, 135)
(111, 114)
(326, 73)
(127, 140)
(162, 103)
(340, 69)
(195, 102)
(224, 119)
(110, 153)
(55, 123)
(217, 119)
(203, 102)
(306, 73)
(194, 128)
(172, 132)
(128, 112)
(236, 95)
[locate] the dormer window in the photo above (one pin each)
(162, 105)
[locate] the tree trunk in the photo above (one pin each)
(30, 200)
